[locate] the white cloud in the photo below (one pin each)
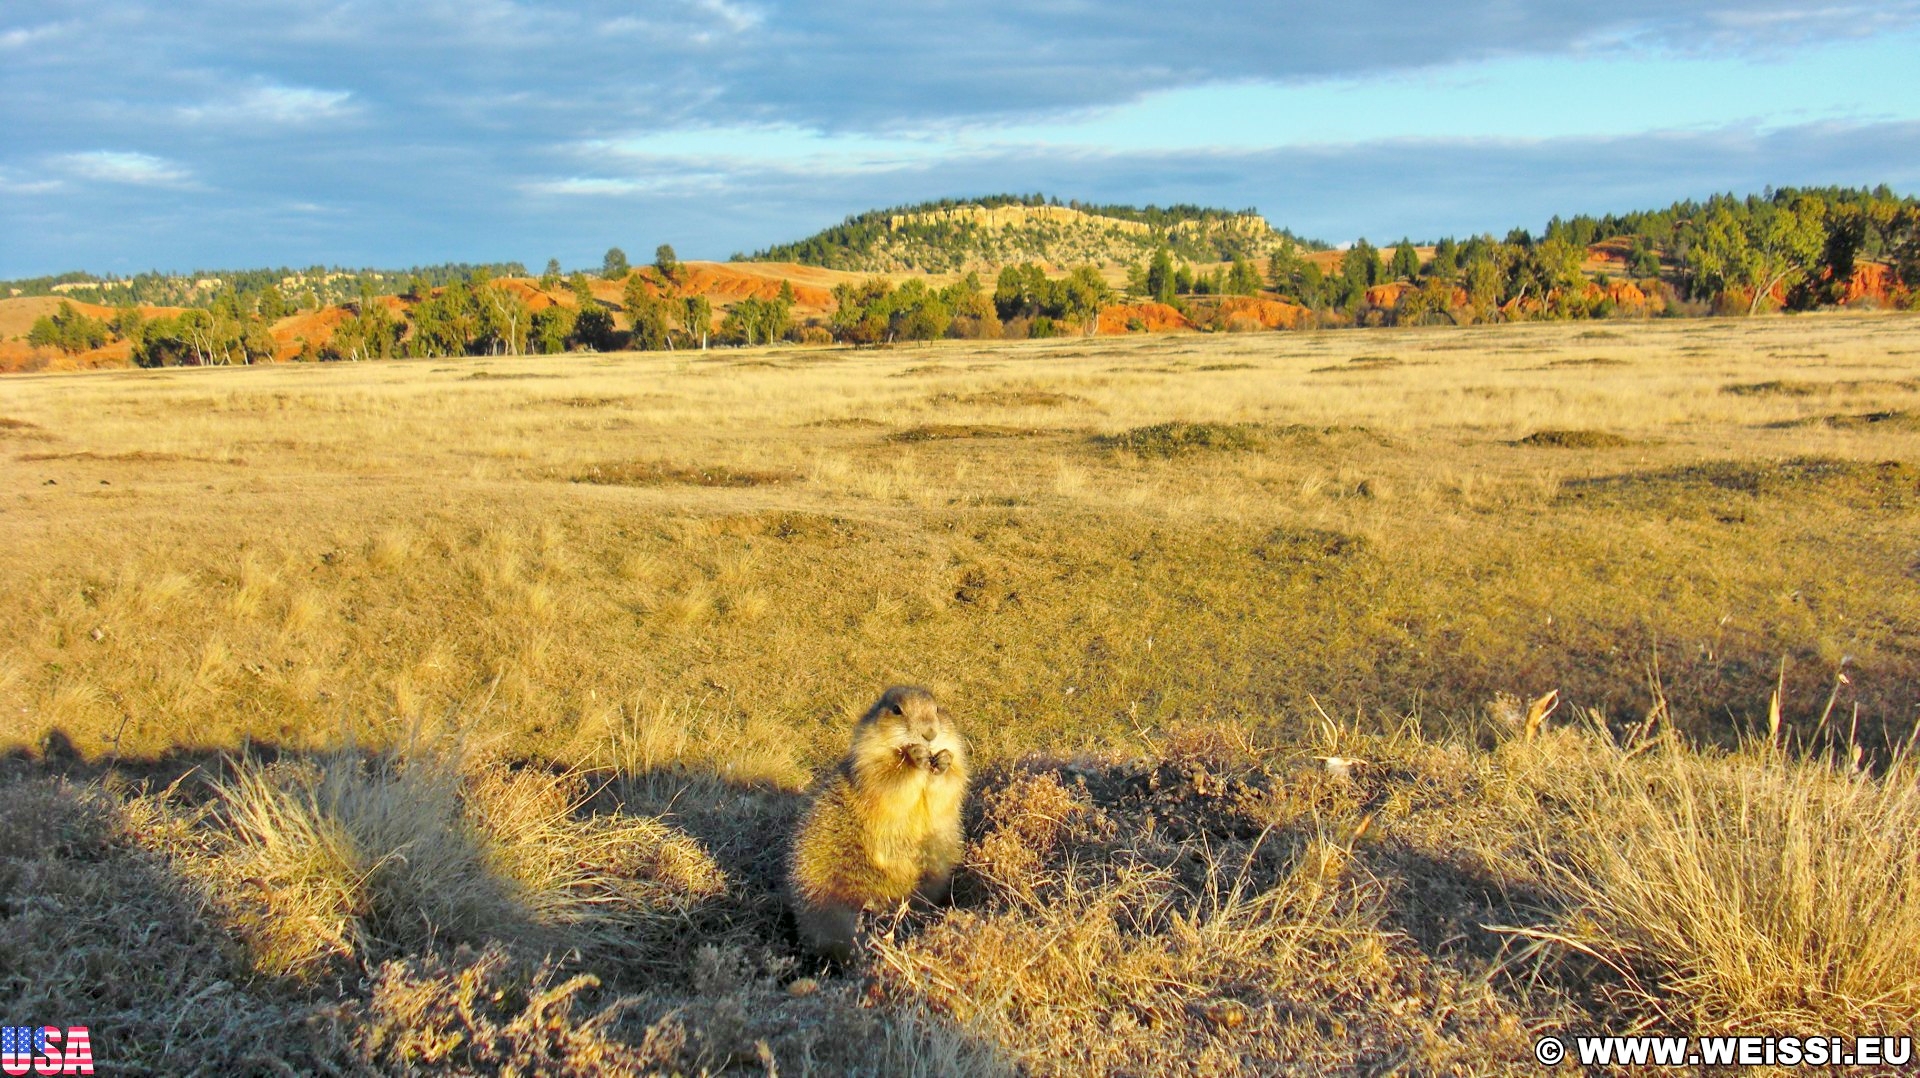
(679, 182)
(12, 183)
(21, 36)
(123, 166)
(785, 148)
(739, 17)
(273, 103)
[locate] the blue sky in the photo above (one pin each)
(199, 133)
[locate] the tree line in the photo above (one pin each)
(293, 289)
(1794, 248)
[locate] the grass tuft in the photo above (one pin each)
(355, 859)
(1750, 890)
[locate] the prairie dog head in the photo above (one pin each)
(906, 735)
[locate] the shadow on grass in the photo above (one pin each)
(131, 905)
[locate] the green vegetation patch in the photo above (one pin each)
(1574, 439)
(948, 432)
(1008, 398)
(583, 402)
(1791, 388)
(1362, 363)
(1887, 484)
(1167, 440)
(1891, 419)
(847, 422)
(654, 473)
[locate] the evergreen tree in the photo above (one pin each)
(68, 329)
(593, 329)
(1161, 279)
(551, 329)
(614, 265)
(667, 263)
(273, 305)
(1083, 295)
(1406, 262)
(652, 328)
(1243, 279)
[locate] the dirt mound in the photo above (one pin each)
(1270, 313)
(536, 298)
(18, 314)
(1142, 317)
(947, 432)
(17, 356)
(724, 282)
(1609, 255)
(1574, 439)
(1178, 439)
(1887, 485)
(655, 473)
(315, 328)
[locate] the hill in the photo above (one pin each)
(954, 236)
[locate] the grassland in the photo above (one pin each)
(447, 713)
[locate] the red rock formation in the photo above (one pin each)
(1270, 313)
(1152, 317)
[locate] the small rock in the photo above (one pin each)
(1225, 1013)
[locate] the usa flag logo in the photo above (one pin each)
(45, 1050)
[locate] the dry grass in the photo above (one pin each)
(1743, 891)
(354, 860)
(1182, 592)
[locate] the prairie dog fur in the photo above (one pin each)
(884, 825)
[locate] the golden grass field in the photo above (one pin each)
(450, 715)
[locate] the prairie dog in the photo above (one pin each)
(885, 824)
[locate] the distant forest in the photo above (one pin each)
(314, 286)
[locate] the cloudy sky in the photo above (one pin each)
(175, 134)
